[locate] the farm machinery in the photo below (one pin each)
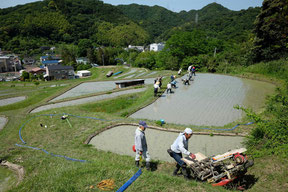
(220, 169)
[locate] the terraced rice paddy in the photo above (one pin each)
(120, 140)
(209, 100)
(11, 100)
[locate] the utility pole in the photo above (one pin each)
(103, 58)
(196, 18)
(215, 51)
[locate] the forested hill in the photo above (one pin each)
(214, 19)
(48, 22)
(155, 20)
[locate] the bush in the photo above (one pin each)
(271, 136)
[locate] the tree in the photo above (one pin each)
(69, 54)
(271, 30)
(83, 46)
(25, 75)
(188, 44)
(146, 59)
(128, 34)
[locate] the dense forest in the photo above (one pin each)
(94, 28)
(214, 38)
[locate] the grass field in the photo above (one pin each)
(44, 172)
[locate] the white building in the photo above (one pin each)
(157, 46)
(84, 73)
(138, 48)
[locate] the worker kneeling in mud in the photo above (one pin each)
(185, 81)
(141, 145)
(180, 146)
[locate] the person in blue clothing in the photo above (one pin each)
(179, 146)
(141, 145)
(172, 78)
(193, 70)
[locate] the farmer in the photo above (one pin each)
(156, 87)
(141, 145)
(193, 70)
(169, 87)
(180, 71)
(186, 81)
(180, 146)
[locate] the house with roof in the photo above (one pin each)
(50, 60)
(10, 63)
(84, 73)
(38, 71)
(156, 46)
(83, 60)
(28, 61)
(57, 72)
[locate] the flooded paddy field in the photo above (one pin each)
(91, 87)
(11, 100)
(209, 100)
(86, 100)
(120, 140)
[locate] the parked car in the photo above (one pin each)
(94, 65)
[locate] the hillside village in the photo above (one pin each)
(82, 81)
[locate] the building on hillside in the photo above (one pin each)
(84, 73)
(157, 46)
(38, 71)
(50, 60)
(57, 72)
(28, 61)
(9, 63)
(138, 48)
(83, 60)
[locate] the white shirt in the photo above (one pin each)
(180, 145)
(169, 86)
(189, 68)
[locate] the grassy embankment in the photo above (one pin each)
(47, 173)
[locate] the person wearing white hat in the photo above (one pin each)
(141, 145)
(179, 146)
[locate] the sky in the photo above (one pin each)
(173, 5)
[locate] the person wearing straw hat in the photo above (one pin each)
(141, 145)
(179, 146)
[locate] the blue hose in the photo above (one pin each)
(227, 129)
(130, 181)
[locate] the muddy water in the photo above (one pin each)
(91, 87)
(208, 100)
(256, 93)
(11, 100)
(120, 140)
(86, 100)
